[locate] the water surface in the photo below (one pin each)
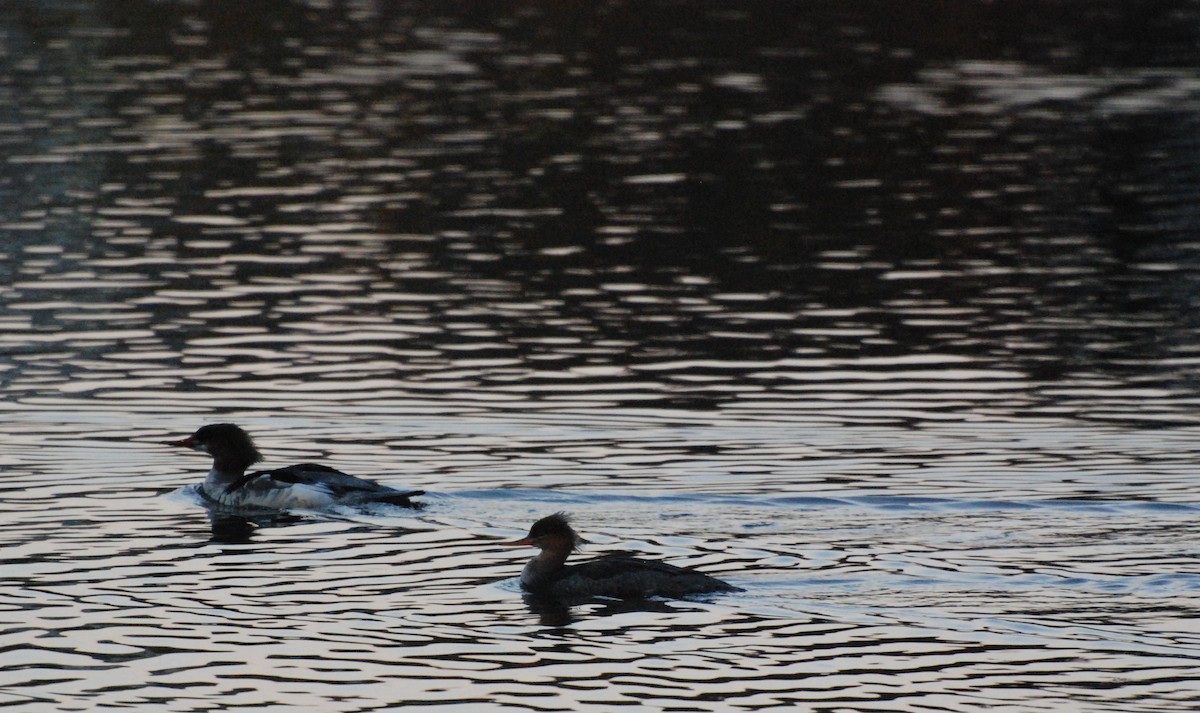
(883, 314)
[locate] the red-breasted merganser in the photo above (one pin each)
(614, 576)
(305, 486)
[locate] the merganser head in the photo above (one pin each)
(221, 441)
(553, 532)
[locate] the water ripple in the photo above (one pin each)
(888, 324)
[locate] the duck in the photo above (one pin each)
(308, 486)
(613, 576)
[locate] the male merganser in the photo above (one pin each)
(614, 576)
(305, 486)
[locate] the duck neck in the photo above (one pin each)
(227, 469)
(540, 569)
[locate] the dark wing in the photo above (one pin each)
(316, 474)
(615, 565)
(308, 473)
(340, 485)
(630, 578)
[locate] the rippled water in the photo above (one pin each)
(884, 314)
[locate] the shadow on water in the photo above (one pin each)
(235, 528)
(556, 612)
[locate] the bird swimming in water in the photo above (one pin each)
(305, 486)
(616, 576)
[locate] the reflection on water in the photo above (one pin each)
(883, 314)
(949, 565)
(499, 213)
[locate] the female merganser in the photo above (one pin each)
(614, 576)
(306, 486)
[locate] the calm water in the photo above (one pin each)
(888, 315)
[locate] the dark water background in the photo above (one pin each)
(886, 312)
